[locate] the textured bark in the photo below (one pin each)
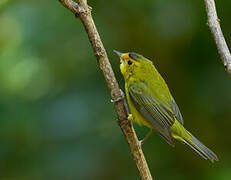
(83, 12)
(214, 25)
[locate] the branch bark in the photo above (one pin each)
(83, 12)
(214, 25)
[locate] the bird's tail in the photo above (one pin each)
(181, 134)
(201, 149)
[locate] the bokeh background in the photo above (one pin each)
(56, 118)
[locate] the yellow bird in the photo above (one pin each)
(152, 105)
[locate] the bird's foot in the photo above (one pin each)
(140, 143)
(130, 117)
(120, 98)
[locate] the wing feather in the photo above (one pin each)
(176, 111)
(157, 114)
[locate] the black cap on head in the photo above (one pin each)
(135, 56)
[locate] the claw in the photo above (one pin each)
(146, 137)
(140, 144)
(116, 100)
(120, 98)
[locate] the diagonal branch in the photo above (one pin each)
(83, 12)
(214, 25)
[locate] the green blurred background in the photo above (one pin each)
(57, 121)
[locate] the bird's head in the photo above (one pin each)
(132, 63)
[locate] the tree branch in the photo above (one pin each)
(214, 25)
(83, 12)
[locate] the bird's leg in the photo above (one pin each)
(141, 142)
(120, 98)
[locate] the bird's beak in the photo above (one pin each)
(123, 56)
(118, 53)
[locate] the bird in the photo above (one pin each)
(152, 105)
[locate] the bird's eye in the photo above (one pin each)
(129, 62)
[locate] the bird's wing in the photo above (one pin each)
(157, 114)
(176, 111)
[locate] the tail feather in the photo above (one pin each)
(201, 149)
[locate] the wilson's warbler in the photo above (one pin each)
(151, 103)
